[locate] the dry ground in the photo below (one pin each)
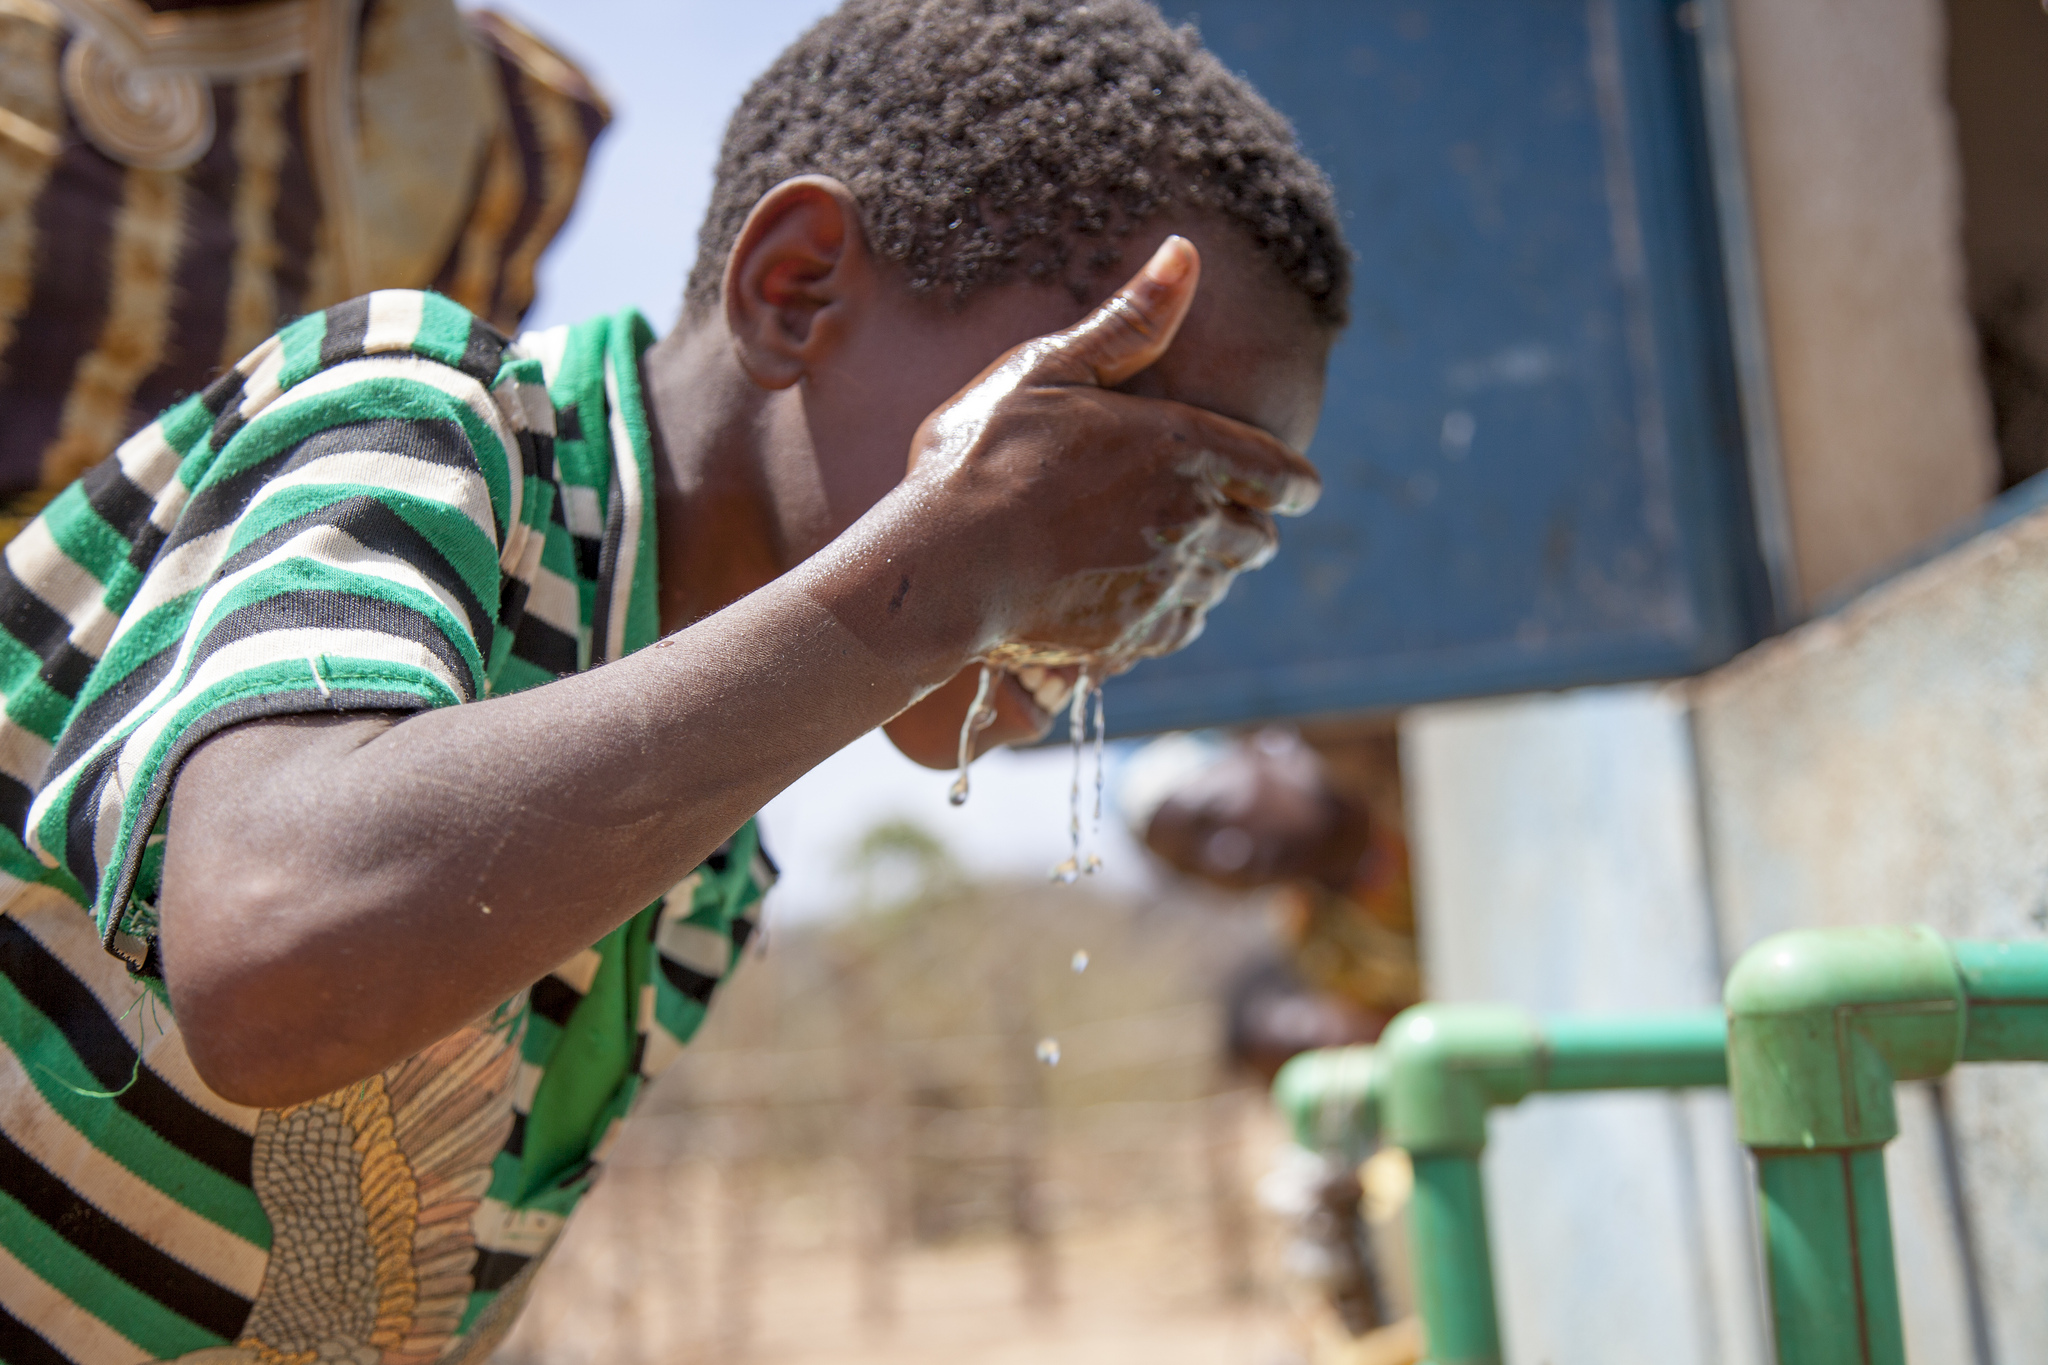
(859, 1160)
(685, 1263)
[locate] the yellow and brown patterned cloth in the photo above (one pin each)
(176, 181)
(1359, 945)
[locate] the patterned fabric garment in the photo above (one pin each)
(147, 243)
(1359, 945)
(384, 507)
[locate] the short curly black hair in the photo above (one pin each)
(992, 139)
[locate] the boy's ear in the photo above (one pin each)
(797, 271)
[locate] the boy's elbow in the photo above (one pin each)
(255, 1021)
(240, 1074)
(262, 1057)
(247, 1042)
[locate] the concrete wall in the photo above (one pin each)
(1614, 848)
(1560, 868)
(1853, 169)
(1576, 853)
(1889, 765)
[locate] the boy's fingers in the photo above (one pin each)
(1244, 464)
(1237, 539)
(1134, 327)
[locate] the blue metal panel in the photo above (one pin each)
(1533, 452)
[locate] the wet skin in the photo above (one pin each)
(1249, 349)
(341, 891)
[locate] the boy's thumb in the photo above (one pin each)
(1134, 326)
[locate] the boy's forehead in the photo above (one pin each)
(1251, 347)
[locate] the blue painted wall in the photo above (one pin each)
(1532, 450)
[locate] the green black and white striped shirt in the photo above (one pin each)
(385, 507)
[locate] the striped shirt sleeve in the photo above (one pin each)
(345, 528)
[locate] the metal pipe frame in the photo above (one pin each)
(1819, 1026)
(1822, 1023)
(1427, 1087)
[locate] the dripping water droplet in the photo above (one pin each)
(979, 717)
(1049, 1051)
(1070, 871)
(1080, 961)
(1095, 828)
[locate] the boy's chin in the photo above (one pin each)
(929, 732)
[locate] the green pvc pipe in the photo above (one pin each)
(2006, 986)
(1823, 1025)
(1453, 1271)
(1820, 1025)
(1635, 1052)
(1437, 1071)
(1331, 1100)
(1828, 1245)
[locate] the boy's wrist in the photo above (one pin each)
(906, 599)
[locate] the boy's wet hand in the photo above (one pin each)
(1026, 704)
(1086, 523)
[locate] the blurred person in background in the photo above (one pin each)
(1316, 828)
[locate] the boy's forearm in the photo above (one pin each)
(339, 892)
(338, 895)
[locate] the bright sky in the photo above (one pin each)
(673, 70)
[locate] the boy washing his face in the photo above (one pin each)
(353, 701)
